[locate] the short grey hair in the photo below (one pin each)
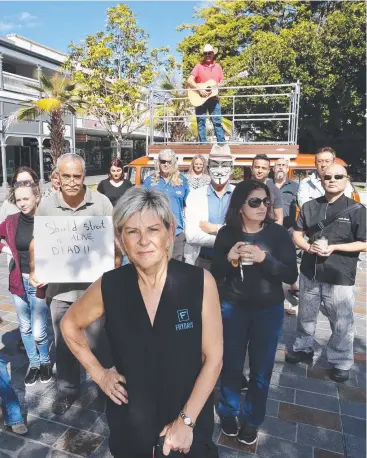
(69, 157)
(138, 200)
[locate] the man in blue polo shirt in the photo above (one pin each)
(168, 180)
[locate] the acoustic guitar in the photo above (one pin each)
(197, 100)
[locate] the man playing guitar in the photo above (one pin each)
(207, 70)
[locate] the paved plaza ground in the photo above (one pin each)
(308, 415)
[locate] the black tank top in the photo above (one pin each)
(160, 362)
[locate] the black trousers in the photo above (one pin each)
(67, 366)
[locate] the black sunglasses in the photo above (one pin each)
(208, 53)
(22, 183)
(164, 161)
(255, 202)
(337, 177)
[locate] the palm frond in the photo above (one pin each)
(46, 82)
(28, 113)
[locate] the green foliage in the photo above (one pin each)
(320, 43)
(116, 69)
(57, 95)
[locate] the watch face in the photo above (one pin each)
(187, 421)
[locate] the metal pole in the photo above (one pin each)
(1, 73)
(40, 151)
(3, 160)
(298, 89)
(233, 104)
(151, 108)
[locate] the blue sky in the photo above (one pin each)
(56, 23)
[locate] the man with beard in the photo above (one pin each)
(259, 172)
(206, 208)
(289, 190)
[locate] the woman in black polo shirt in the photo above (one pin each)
(252, 257)
(164, 325)
(114, 186)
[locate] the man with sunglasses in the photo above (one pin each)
(206, 208)
(328, 271)
(207, 70)
(311, 187)
(170, 181)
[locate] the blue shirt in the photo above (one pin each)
(177, 196)
(217, 209)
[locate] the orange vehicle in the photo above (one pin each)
(301, 165)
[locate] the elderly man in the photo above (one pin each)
(167, 178)
(289, 189)
(207, 207)
(73, 199)
(311, 187)
(259, 172)
(336, 229)
(207, 70)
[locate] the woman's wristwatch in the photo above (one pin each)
(187, 420)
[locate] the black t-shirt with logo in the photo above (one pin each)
(340, 267)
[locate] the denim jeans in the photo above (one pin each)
(33, 314)
(259, 331)
(9, 400)
(213, 107)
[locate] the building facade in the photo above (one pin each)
(27, 143)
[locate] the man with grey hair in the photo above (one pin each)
(73, 199)
(311, 187)
(171, 182)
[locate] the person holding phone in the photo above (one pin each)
(30, 303)
(253, 256)
(165, 331)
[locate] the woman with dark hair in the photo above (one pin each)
(30, 303)
(114, 186)
(253, 256)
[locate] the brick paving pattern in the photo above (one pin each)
(308, 415)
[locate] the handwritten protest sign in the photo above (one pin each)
(73, 249)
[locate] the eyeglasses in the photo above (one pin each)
(165, 161)
(255, 202)
(23, 183)
(336, 177)
(208, 53)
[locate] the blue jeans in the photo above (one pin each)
(259, 330)
(32, 316)
(9, 400)
(213, 107)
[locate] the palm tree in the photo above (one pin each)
(57, 97)
(182, 127)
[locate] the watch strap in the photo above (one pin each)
(184, 417)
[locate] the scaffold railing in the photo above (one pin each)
(170, 109)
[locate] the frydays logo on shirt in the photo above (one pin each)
(183, 320)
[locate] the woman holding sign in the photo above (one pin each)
(252, 257)
(163, 322)
(32, 310)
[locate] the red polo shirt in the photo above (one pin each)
(205, 72)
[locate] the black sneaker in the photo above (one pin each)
(339, 375)
(295, 357)
(247, 435)
(229, 426)
(244, 387)
(46, 373)
(32, 376)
